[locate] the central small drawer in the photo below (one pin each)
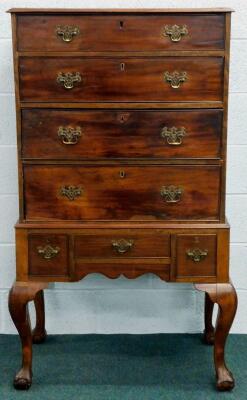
(123, 79)
(122, 243)
(113, 192)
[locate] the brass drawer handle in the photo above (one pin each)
(69, 135)
(175, 78)
(197, 254)
(71, 192)
(171, 194)
(68, 79)
(174, 136)
(122, 245)
(67, 32)
(175, 32)
(47, 252)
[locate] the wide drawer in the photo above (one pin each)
(120, 32)
(82, 134)
(121, 193)
(157, 79)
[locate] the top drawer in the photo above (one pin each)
(121, 32)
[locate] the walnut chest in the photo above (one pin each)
(122, 126)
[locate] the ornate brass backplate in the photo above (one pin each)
(171, 194)
(71, 192)
(67, 32)
(174, 136)
(122, 245)
(48, 251)
(175, 78)
(68, 134)
(197, 254)
(175, 32)
(68, 79)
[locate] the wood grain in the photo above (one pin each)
(103, 80)
(128, 32)
(108, 196)
(120, 134)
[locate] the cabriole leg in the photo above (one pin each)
(19, 296)
(208, 336)
(225, 296)
(39, 332)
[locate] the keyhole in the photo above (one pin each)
(122, 174)
(121, 24)
(122, 66)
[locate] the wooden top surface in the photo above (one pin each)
(119, 10)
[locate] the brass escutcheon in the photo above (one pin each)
(197, 254)
(68, 79)
(175, 78)
(47, 252)
(67, 32)
(71, 192)
(69, 135)
(122, 245)
(174, 136)
(171, 194)
(175, 32)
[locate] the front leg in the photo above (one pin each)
(208, 335)
(19, 296)
(225, 296)
(39, 332)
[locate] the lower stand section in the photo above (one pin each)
(225, 296)
(222, 294)
(19, 297)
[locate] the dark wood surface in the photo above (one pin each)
(125, 32)
(105, 195)
(103, 80)
(188, 267)
(145, 244)
(120, 134)
(55, 266)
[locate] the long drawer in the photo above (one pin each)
(121, 32)
(82, 134)
(121, 193)
(156, 79)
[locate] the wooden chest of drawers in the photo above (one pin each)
(122, 125)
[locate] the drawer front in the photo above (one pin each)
(59, 134)
(122, 244)
(48, 255)
(120, 32)
(121, 193)
(196, 255)
(160, 79)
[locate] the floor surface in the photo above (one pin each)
(123, 367)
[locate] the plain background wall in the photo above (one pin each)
(147, 304)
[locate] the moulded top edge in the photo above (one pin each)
(119, 10)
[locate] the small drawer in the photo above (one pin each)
(120, 32)
(196, 256)
(86, 134)
(48, 255)
(125, 243)
(125, 79)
